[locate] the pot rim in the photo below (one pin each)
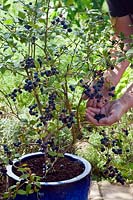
(86, 171)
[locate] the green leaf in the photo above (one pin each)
(120, 59)
(5, 1)
(21, 15)
(15, 1)
(25, 121)
(52, 153)
(33, 122)
(38, 184)
(17, 155)
(37, 64)
(69, 2)
(130, 51)
(28, 188)
(6, 195)
(6, 7)
(2, 69)
(130, 165)
(41, 20)
(8, 22)
(61, 155)
(12, 187)
(22, 192)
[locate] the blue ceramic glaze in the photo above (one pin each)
(73, 189)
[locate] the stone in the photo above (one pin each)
(95, 192)
(115, 191)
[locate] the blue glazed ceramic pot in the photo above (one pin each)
(76, 188)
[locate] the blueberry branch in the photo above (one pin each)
(35, 94)
(6, 27)
(46, 28)
(78, 117)
(10, 106)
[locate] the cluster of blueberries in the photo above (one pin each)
(95, 92)
(35, 81)
(29, 63)
(3, 170)
(31, 84)
(113, 172)
(47, 114)
(67, 119)
(6, 148)
(99, 116)
(51, 106)
(106, 142)
(60, 20)
(32, 110)
(50, 72)
(14, 93)
(8, 152)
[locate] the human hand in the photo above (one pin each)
(109, 113)
(101, 98)
(98, 93)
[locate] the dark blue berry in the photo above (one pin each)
(28, 27)
(53, 22)
(69, 30)
(65, 26)
(57, 19)
(72, 88)
(62, 22)
(112, 88)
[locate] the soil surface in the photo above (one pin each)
(63, 169)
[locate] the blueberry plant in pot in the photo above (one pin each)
(47, 54)
(51, 59)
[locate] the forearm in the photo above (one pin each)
(120, 25)
(113, 76)
(127, 98)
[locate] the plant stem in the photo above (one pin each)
(9, 104)
(46, 28)
(35, 94)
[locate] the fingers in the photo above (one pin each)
(97, 104)
(94, 103)
(93, 110)
(108, 121)
(84, 96)
(91, 119)
(90, 103)
(90, 113)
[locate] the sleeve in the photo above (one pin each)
(117, 8)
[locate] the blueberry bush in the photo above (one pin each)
(50, 54)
